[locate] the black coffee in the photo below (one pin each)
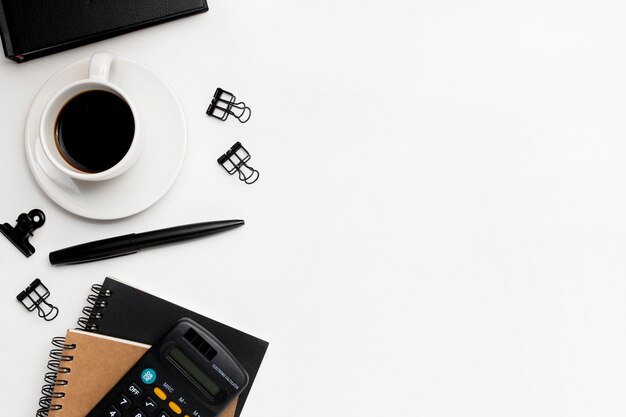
(94, 130)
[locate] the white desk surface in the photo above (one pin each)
(440, 224)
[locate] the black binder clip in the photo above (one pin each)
(223, 105)
(34, 296)
(26, 225)
(234, 160)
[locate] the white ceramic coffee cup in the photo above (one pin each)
(99, 68)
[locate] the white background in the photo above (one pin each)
(439, 227)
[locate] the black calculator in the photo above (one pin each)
(188, 373)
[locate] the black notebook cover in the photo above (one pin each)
(34, 28)
(128, 313)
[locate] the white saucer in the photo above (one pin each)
(155, 171)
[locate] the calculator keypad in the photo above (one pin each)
(154, 403)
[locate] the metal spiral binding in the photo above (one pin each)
(58, 359)
(93, 311)
(51, 378)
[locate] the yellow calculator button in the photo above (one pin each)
(175, 407)
(159, 393)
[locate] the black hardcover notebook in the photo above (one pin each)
(119, 310)
(34, 28)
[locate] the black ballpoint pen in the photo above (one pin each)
(133, 243)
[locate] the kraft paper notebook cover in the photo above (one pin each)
(118, 310)
(34, 28)
(95, 364)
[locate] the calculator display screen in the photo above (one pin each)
(193, 370)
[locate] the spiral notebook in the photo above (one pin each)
(95, 364)
(89, 365)
(120, 311)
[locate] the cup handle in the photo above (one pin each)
(100, 65)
